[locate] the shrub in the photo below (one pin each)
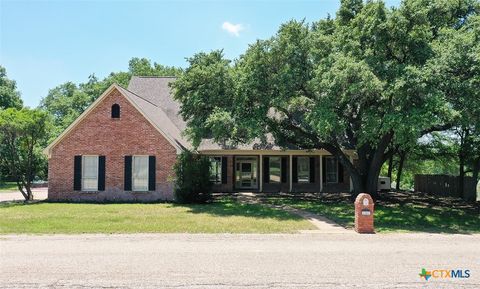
(193, 183)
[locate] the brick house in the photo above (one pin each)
(123, 148)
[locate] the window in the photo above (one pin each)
(90, 173)
(140, 173)
(303, 169)
(115, 111)
(275, 165)
(331, 170)
(216, 170)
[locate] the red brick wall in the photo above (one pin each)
(99, 134)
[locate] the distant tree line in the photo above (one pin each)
(400, 86)
(25, 132)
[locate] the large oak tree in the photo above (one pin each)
(359, 81)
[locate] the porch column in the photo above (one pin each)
(260, 173)
(321, 173)
(351, 182)
(290, 177)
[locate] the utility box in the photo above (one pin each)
(364, 209)
(384, 184)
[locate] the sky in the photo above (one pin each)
(46, 43)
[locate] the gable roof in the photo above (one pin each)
(157, 90)
(152, 112)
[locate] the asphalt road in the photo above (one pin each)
(236, 261)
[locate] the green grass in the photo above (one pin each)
(394, 217)
(223, 216)
(8, 186)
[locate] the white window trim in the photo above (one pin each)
(83, 172)
(212, 158)
(298, 170)
(326, 170)
(133, 169)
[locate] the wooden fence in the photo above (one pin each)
(445, 185)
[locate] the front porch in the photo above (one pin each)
(277, 171)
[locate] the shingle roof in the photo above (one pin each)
(158, 116)
(157, 91)
(156, 100)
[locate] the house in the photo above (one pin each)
(123, 148)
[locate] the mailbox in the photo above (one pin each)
(364, 213)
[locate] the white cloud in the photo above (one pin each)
(233, 29)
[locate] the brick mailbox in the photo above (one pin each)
(364, 214)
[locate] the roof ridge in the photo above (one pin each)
(154, 76)
(141, 97)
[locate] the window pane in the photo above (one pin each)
(303, 169)
(140, 173)
(90, 173)
(331, 166)
(216, 170)
(275, 169)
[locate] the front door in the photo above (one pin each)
(246, 173)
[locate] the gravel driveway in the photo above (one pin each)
(236, 261)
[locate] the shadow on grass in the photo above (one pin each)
(222, 207)
(226, 206)
(404, 211)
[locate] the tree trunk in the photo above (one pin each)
(400, 170)
(461, 161)
(476, 170)
(475, 173)
(390, 167)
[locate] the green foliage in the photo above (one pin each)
(68, 100)
(366, 80)
(23, 134)
(192, 184)
(9, 95)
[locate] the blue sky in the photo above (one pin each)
(46, 43)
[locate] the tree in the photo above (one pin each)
(9, 95)
(456, 71)
(65, 103)
(192, 184)
(23, 134)
(357, 82)
(68, 100)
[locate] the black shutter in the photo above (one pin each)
(324, 169)
(77, 173)
(152, 169)
(312, 169)
(266, 170)
(224, 169)
(101, 173)
(284, 170)
(340, 173)
(128, 174)
(294, 170)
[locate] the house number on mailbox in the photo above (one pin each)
(366, 212)
(365, 202)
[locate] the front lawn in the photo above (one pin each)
(397, 212)
(222, 216)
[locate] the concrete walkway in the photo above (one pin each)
(323, 224)
(38, 194)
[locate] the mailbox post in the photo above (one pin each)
(364, 214)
